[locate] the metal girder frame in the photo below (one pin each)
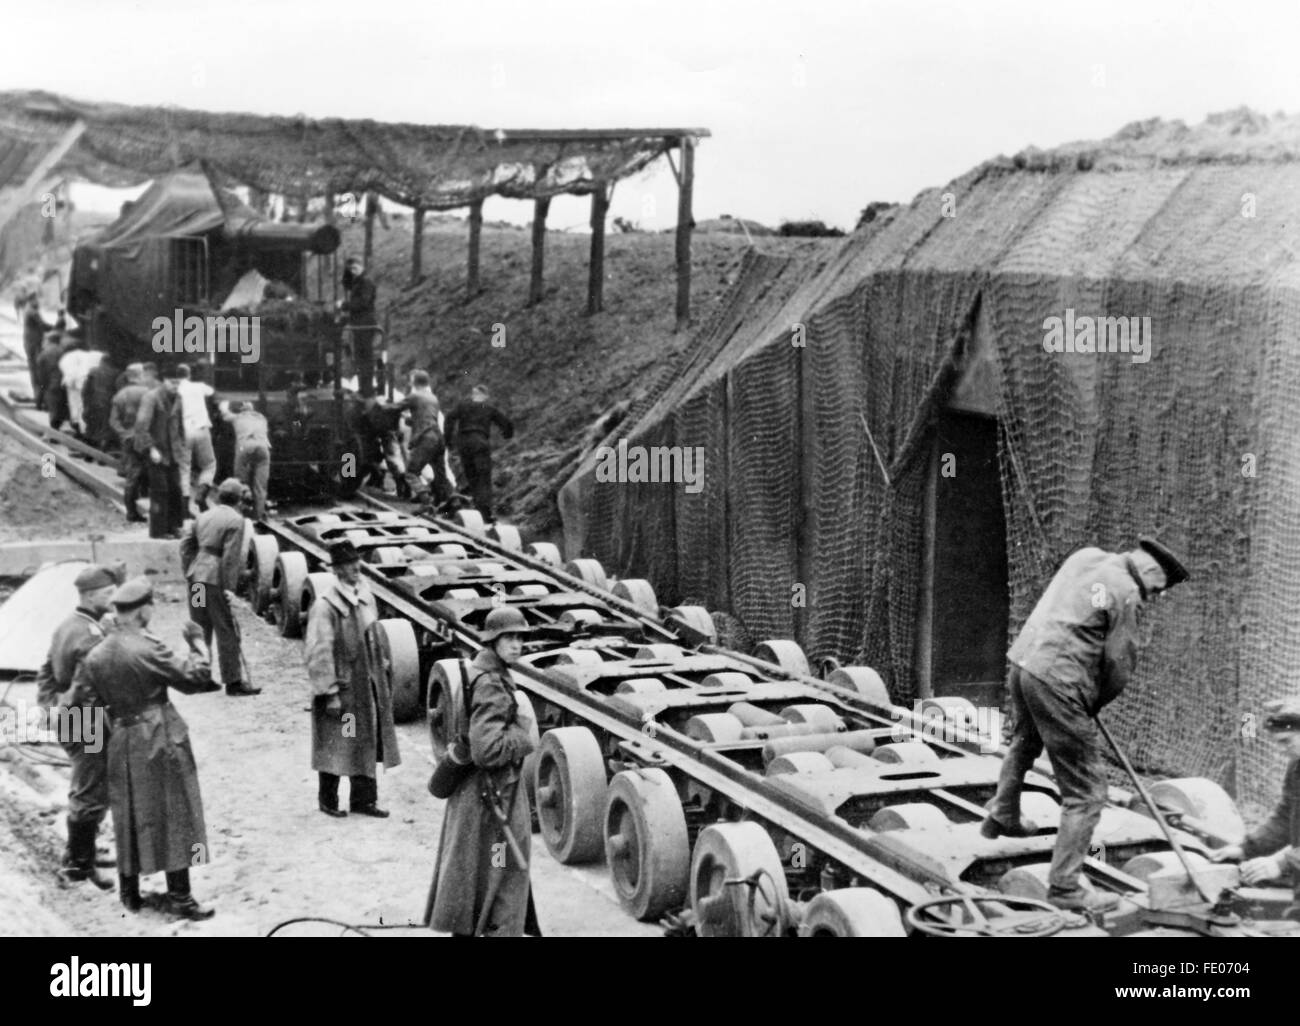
(887, 868)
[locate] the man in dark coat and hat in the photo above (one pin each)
(153, 784)
(160, 440)
(1073, 656)
(352, 726)
(479, 886)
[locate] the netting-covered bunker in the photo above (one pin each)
(927, 332)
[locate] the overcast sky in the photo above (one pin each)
(816, 107)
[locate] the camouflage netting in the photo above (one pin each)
(1194, 228)
(437, 167)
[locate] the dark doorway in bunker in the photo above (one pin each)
(965, 602)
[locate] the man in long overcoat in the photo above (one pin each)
(479, 887)
(352, 710)
(153, 784)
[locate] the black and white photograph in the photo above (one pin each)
(651, 470)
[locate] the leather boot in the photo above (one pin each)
(79, 856)
(180, 902)
(128, 892)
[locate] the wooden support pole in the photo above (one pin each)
(596, 272)
(685, 223)
(417, 246)
(329, 207)
(25, 193)
(475, 233)
(540, 207)
(372, 207)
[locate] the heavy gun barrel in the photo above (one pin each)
(269, 236)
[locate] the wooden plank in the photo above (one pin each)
(475, 236)
(417, 246)
(22, 195)
(594, 134)
(596, 271)
(65, 463)
(372, 207)
(540, 208)
(684, 226)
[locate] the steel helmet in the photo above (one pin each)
(503, 620)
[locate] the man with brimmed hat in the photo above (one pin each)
(160, 439)
(474, 893)
(212, 554)
(1272, 850)
(352, 726)
(80, 726)
(1074, 655)
(153, 783)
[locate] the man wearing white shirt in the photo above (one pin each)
(200, 461)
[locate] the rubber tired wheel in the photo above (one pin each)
(865, 681)
(786, 654)
(395, 656)
(448, 715)
(738, 886)
(261, 566)
(852, 912)
(287, 582)
(316, 586)
(1203, 800)
(639, 593)
(587, 570)
(571, 794)
(646, 844)
(547, 552)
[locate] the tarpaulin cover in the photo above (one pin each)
(1195, 229)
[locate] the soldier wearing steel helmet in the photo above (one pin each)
(1272, 850)
(479, 887)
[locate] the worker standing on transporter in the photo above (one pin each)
(160, 439)
(360, 309)
(469, 430)
(126, 406)
(81, 728)
(1272, 850)
(1074, 655)
(153, 784)
(427, 447)
(352, 726)
(252, 451)
(479, 888)
(212, 555)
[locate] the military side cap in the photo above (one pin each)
(133, 594)
(1175, 572)
(94, 577)
(344, 552)
(230, 490)
(1282, 714)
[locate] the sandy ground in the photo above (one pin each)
(274, 855)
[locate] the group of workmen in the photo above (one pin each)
(1074, 655)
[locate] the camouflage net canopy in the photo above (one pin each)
(436, 167)
(1196, 228)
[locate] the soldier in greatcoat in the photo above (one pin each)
(479, 886)
(153, 784)
(352, 727)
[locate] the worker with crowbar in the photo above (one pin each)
(480, 885)
(1073, 656)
